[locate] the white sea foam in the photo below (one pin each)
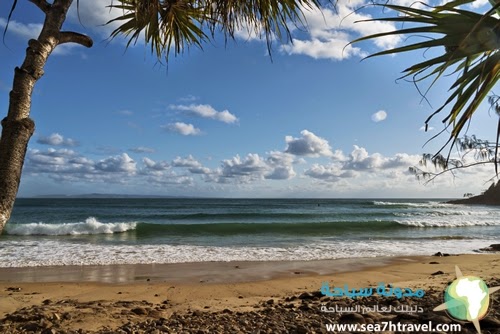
(90, 226)
(446, 223)
(49, 252)
(431, 204)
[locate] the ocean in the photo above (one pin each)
(46, 232)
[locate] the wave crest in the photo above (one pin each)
(90, 226)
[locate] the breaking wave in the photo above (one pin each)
(90, 226)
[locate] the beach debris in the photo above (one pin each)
(13, 289)
(441, 254)
(439, 272)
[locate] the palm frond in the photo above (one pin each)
(174, 25)
(470, 42)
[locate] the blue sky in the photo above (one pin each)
(226, 121)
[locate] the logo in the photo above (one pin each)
(467, 298)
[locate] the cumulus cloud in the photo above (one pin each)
(329, 32)
(192, 165)
(359, 160)
(206, 111)
(119, 163)
(65, 165)
(334, 48)
(56, 139)
(308, 145)
(50, 157)
(157, 166)
(251, 168)
(379, 116)
(330, 172)
(189, 161)
(182, 128)
(281, 165)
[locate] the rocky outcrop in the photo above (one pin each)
(489, 197)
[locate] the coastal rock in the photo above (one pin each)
(491, 248)
(489, 197)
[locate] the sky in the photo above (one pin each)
(315, 120)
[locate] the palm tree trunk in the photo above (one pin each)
(18, 127)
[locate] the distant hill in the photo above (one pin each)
(489, 197)
(98, 195)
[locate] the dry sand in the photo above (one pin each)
(215, 286)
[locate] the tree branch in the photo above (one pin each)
(74, 37)
(42, 4)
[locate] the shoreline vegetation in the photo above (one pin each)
(232, 297)
(490, 197)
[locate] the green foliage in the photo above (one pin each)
(469, 42)
(175, 25)
(471, 152)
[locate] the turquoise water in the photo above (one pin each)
(105, 231)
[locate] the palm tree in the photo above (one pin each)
(166, 25)
(469, 45)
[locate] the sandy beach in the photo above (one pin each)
(99, 298)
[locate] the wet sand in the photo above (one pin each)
(217, 286)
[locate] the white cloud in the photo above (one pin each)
(119, 163)
(335, 48)
(252, 167)
(429, 128)
(56, 139)
(281, 165)
(192, 165)
(281, 173)
(24, 30)
(331, 172)
(379, 116)
(478, 3)
(29, 31)
(157, 166)
(361, 160)
(329, 32)
(189, 161)
(358, 173)
(206, 111)
(200, 170)
(248, 33)
(65, 165)
(182, 128)
(94, 15)
(308, 145)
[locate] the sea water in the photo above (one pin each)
(71, 231)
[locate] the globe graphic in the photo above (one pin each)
(467, 298)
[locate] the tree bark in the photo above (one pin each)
(18, 127)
